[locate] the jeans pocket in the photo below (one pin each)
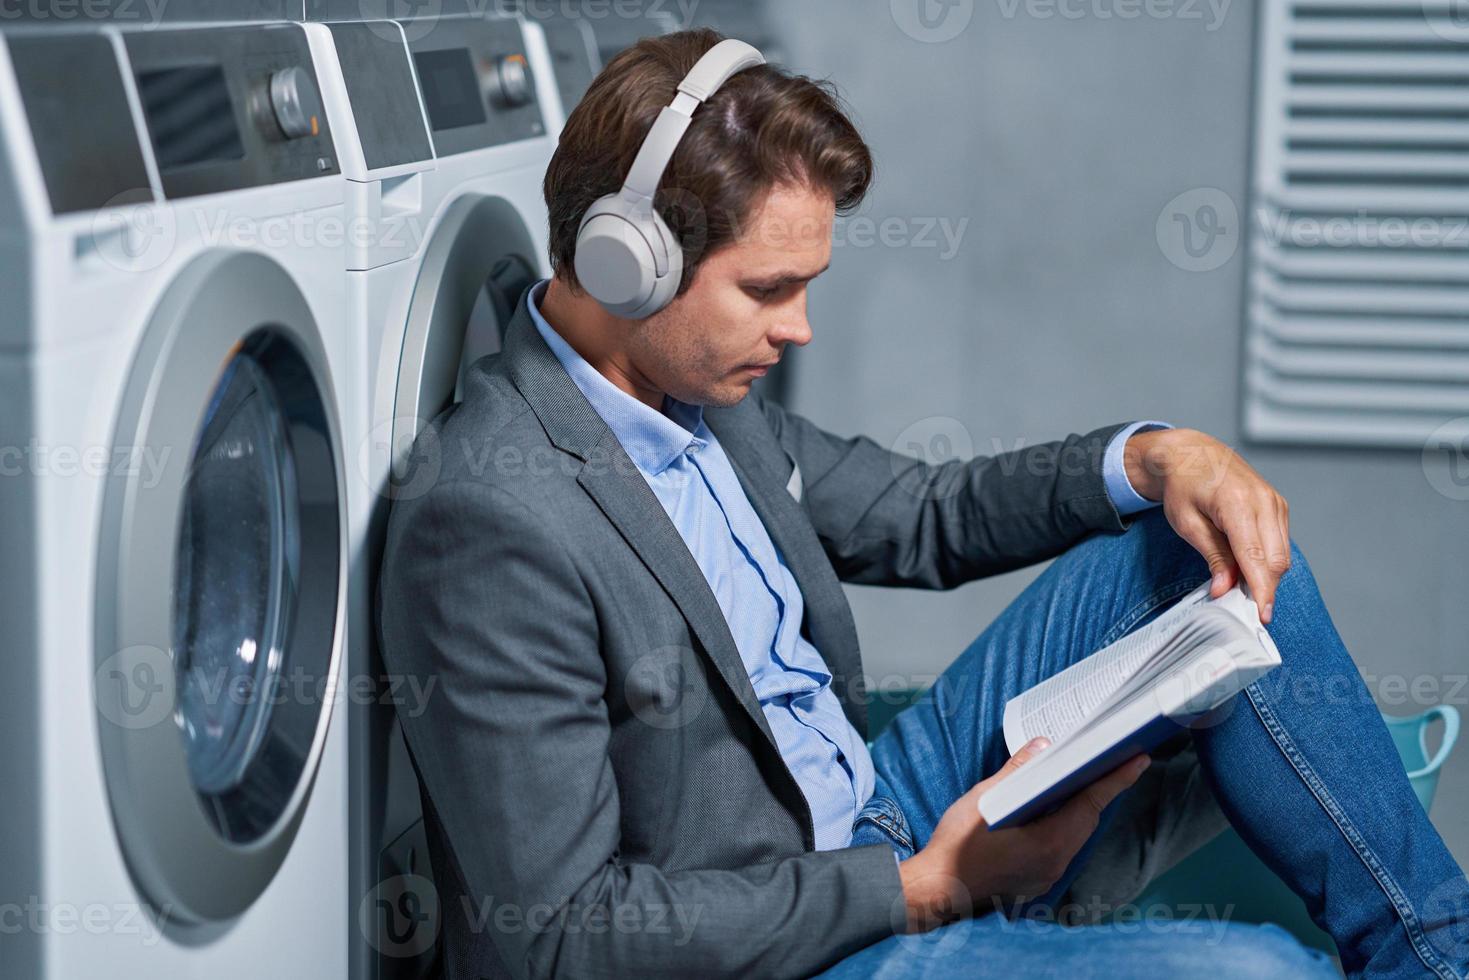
(882, 815)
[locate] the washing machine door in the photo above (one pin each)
(480, 260)
(220, 586)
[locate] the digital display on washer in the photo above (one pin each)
(190, 115)
(450, 88)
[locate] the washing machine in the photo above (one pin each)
(444, 127)
(573, 55)
(174, 505)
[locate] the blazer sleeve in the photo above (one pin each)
(481, 593)
(885, 518)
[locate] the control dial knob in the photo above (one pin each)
(509, 83)
(295, 102)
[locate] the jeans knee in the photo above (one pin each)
(1298, 583)
(1298, 557)
(1151, 533)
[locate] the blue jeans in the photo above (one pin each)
(1301, 764)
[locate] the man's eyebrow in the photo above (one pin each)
(787, 278)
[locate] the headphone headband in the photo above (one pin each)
(703, 80)
(626, 256)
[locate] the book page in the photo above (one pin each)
(1058, 705)
(1183, 665)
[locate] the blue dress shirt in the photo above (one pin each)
(1124, 497)
(691, 476)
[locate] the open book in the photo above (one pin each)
(1128, 697)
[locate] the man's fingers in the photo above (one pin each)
(1027, 752)
(1210, 542)
(1102, 792)
(1249, 553)
(1277, 555)
(1078, 816)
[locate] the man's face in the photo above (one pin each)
(746, 302)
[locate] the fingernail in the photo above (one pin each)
(1218, 580)
(1269, 609)
(1038, 743)
(1142, 763)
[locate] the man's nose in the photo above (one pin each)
(797, 331)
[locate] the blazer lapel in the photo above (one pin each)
(629, 503)
(833, 632)
(614, 483)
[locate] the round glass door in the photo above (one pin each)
(237, 586)
(232, 595)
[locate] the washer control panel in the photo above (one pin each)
(231, 107)
(476, 82)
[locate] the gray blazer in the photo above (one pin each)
(602, 792)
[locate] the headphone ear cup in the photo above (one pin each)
(665, 287)
(614, 259)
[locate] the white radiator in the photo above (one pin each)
(1357, 302)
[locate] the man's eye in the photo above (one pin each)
(763, 293)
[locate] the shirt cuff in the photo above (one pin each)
(1114, 471)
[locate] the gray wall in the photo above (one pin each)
(1060, 142)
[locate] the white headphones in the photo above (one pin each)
(626, 257)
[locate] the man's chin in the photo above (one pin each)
(725, 393)
(729, 395)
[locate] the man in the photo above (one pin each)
(647, 754)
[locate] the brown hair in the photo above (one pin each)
(762, 128)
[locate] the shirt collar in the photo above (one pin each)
(653, 440)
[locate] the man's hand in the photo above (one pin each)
(966, 866)
(1217, 503)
